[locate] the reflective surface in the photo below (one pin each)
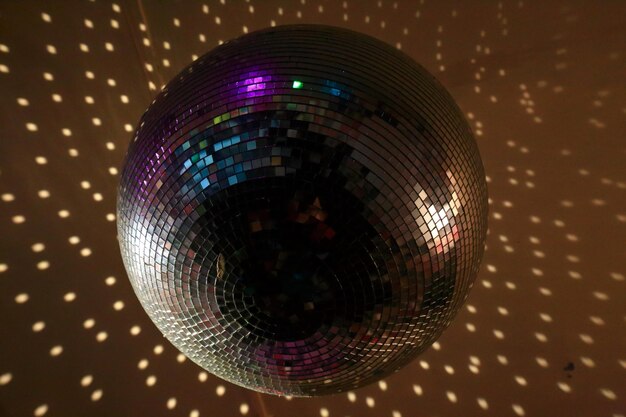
(299, 218)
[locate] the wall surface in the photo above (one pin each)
(542, 85)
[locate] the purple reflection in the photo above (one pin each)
(253, 84)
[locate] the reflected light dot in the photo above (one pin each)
(86, 380)
(5, 378)
(41, 410)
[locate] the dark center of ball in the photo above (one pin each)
(287, 284)
(297, 263)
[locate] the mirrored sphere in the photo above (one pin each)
(302, 210)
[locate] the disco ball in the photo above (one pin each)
(302, 210)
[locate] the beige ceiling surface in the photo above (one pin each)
(542, 85)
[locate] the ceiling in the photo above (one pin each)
(542, 85)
